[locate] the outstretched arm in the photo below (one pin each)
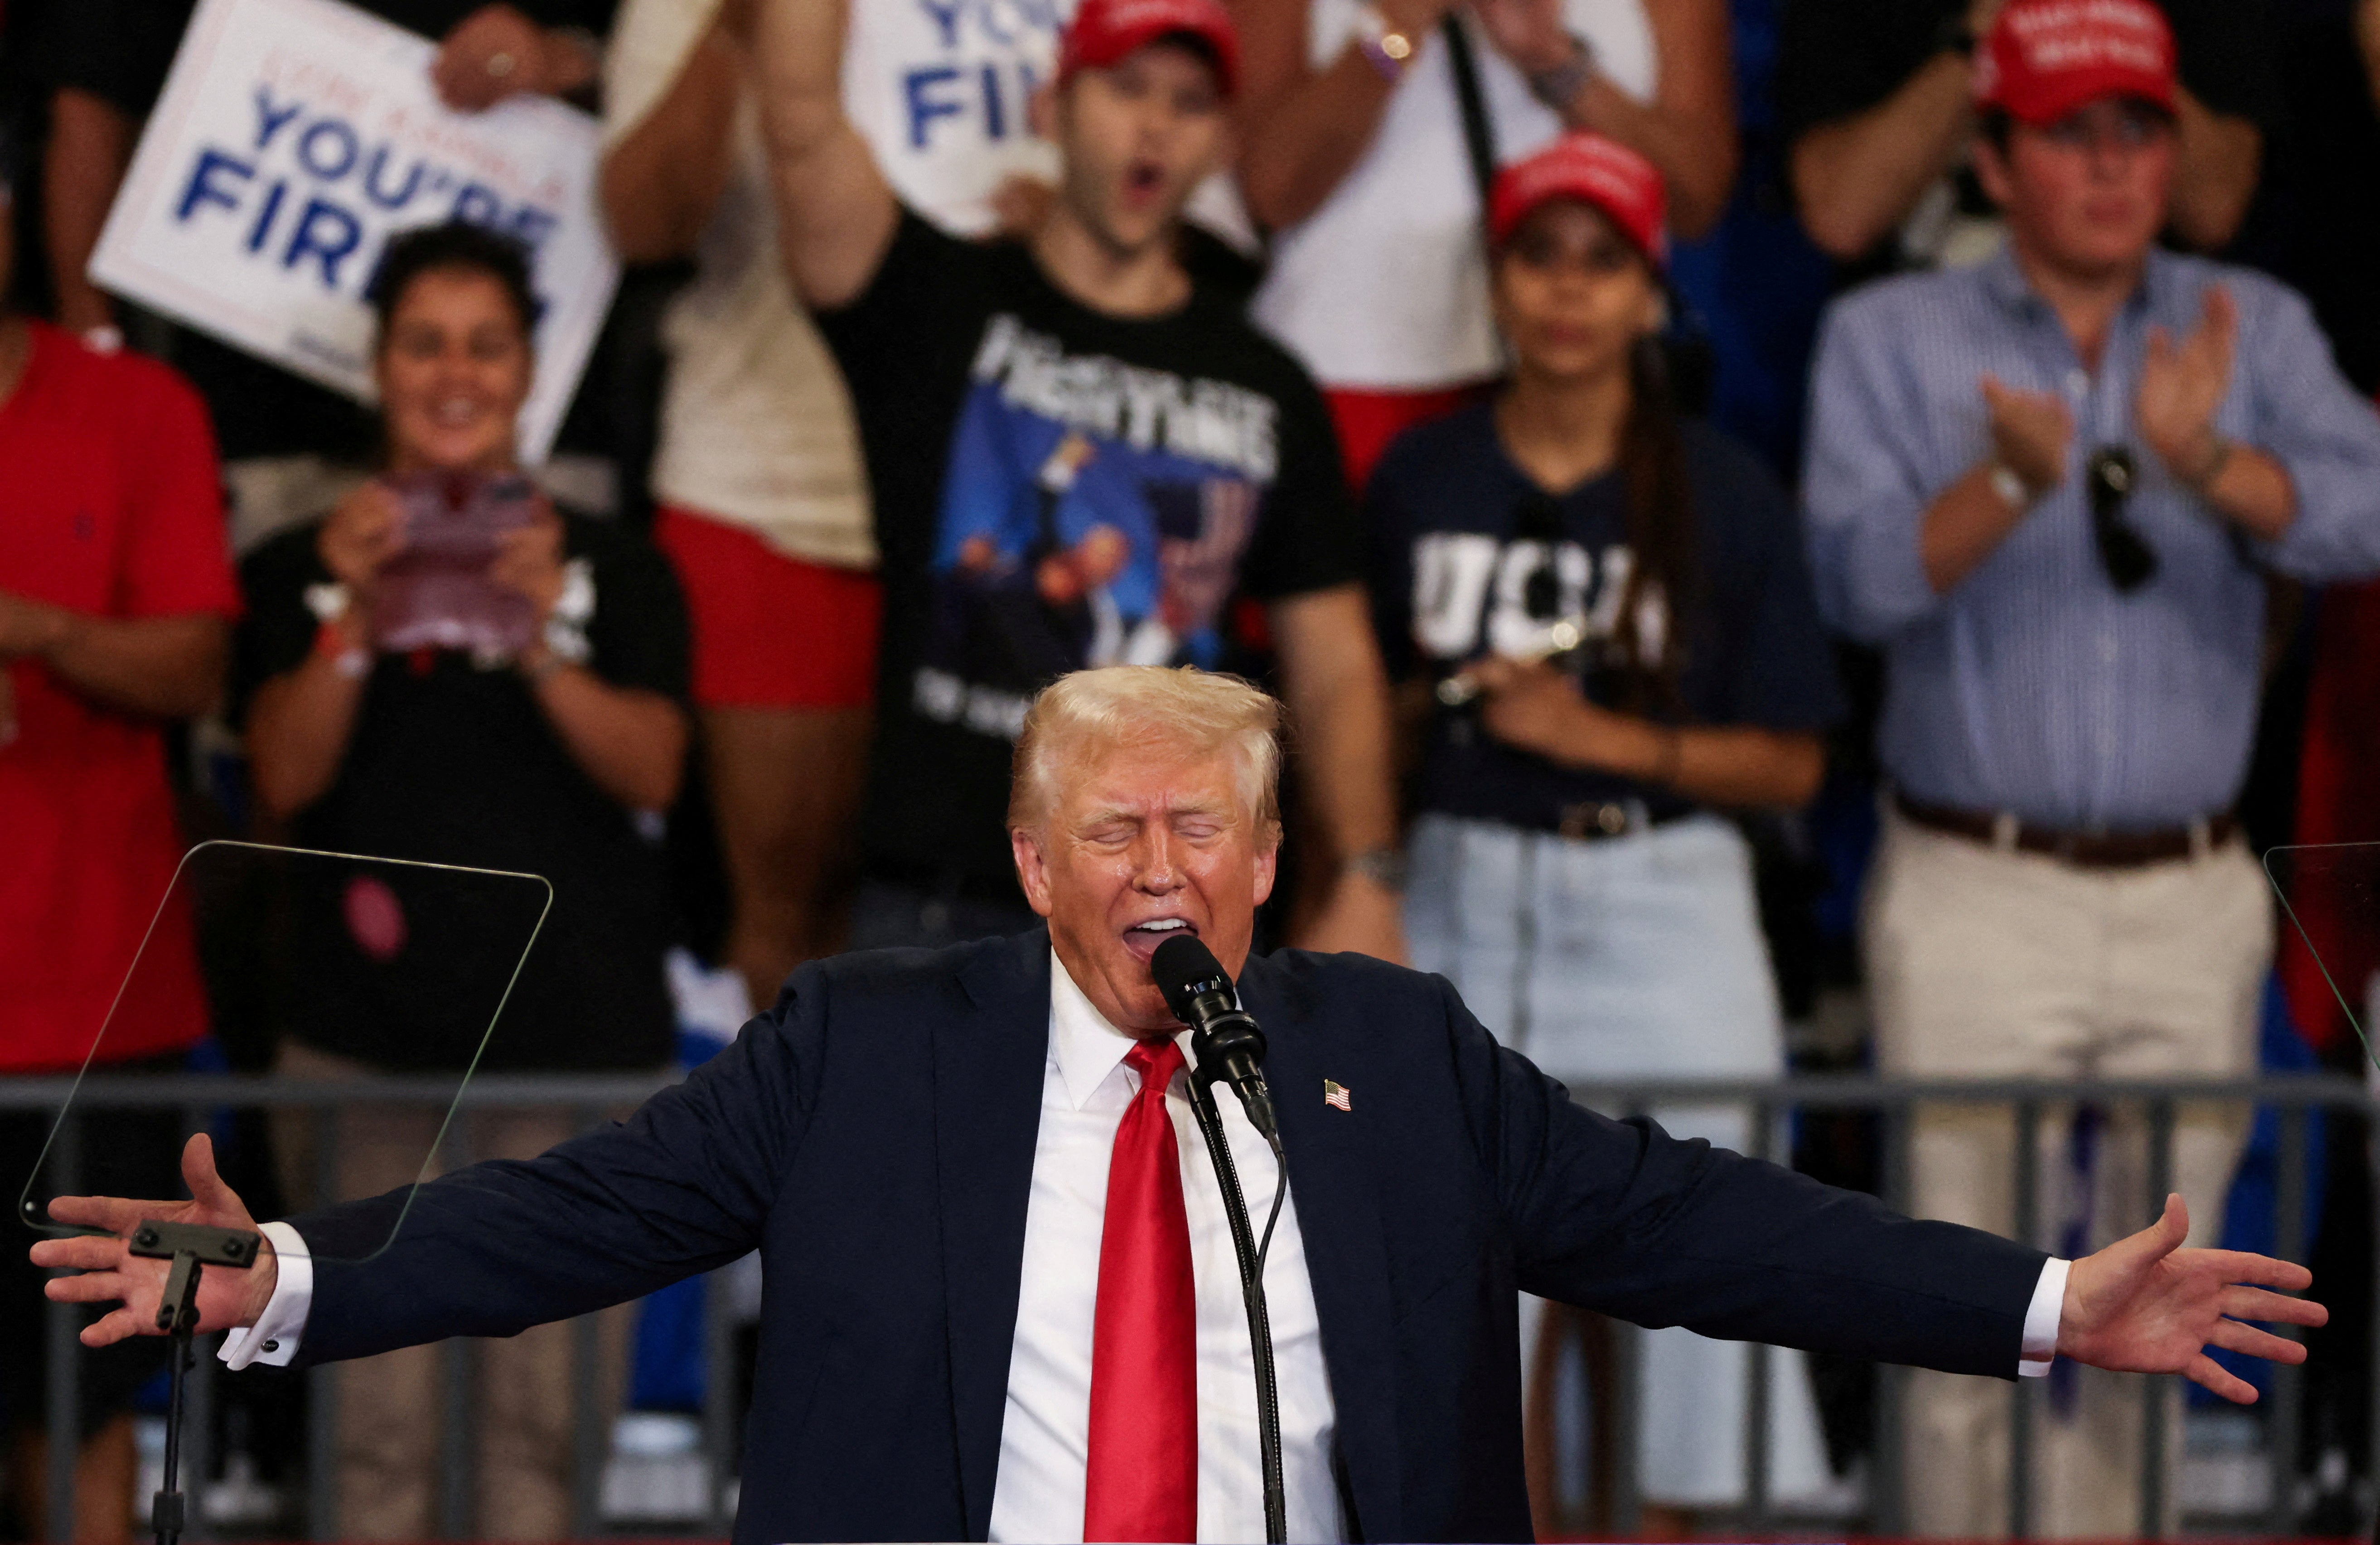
(2145, 1305)
(836, 214)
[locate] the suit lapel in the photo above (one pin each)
(987, 1080)
(1346, 1252)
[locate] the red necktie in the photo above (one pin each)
(1143, 1473)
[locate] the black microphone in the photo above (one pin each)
(1222, 1034)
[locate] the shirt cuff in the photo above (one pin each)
(2041, 1318)
(272, 1340)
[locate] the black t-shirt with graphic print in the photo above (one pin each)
(450, 762)
(1454, 574)
(1056, 488)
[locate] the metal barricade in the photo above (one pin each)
(1772, 1104)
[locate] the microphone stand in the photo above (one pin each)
(192, 1248)
(1251, 1257)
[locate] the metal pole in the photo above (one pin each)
(2156, 1391)
(1885, 1500)
(1757, 1374)
(460, 1364)
(64, 1415)
(198, 1421)
(591, 1432)
(322, 1379)
(2028, 1232)
(718, 1399)
(2288, 1243)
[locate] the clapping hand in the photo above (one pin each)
(362, 535)
(2183, 384)
(2146, 1305)
(2029, 433)
(113, 1275)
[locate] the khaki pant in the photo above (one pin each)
(1985, 963)
(390, 1406)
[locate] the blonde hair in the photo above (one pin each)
(1132, 705)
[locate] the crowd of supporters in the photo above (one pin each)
(1741, 499)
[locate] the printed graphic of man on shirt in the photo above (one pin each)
(1079, 454)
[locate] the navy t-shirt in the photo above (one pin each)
(1454, 578)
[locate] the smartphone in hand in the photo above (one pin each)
(436, 594)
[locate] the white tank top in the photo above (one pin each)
(1385, 286)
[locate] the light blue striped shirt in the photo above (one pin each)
(2033, 686)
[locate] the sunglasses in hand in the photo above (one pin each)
(2109, 478)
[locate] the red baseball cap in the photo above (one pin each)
(1103, 32)
(1588, 167)
(2045, 58)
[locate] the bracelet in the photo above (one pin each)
(1559, 85)
(352, 661)
(2011, 485)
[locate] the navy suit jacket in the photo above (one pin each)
(873, 1136)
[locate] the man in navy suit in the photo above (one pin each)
(999, 1295)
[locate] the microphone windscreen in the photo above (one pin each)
(1183, 968)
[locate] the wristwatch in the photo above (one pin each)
(1559, 85)
(1387, 49)
(1385, 867)
(2011, 485)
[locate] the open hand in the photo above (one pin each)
(2183, 384)
(2145, 1305)
(112, 1274)
(2029, 432)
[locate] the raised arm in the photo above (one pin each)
(1687, 130)
(1301, 128)
(662, 176)
(2217, 157)
(1856, 178)
(836, 214)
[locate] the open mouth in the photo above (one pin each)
(1142, 938)
(1142, 180)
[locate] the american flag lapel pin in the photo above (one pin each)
(1335, 1096)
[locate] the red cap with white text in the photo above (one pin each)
(1598, 171)
(1104, 31)
(2045, 58)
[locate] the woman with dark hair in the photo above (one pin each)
(1605, 613)
(450, 668)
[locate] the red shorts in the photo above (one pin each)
(771, 631)
(1366, 421)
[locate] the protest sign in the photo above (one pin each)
(293, 139)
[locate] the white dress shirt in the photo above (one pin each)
(1045, 1433)
(1045, 1436)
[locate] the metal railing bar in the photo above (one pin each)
(1808, 1091)
(2157, 1393)
(718, 1391)
(64, 1415)
(592, 1430)
(2288, 1243)
(1757, 1371)
(322, 1379)
(2020, 1397)
(459, 1361)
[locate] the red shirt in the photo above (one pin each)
(111, 502)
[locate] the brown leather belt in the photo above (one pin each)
(2084, 849)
